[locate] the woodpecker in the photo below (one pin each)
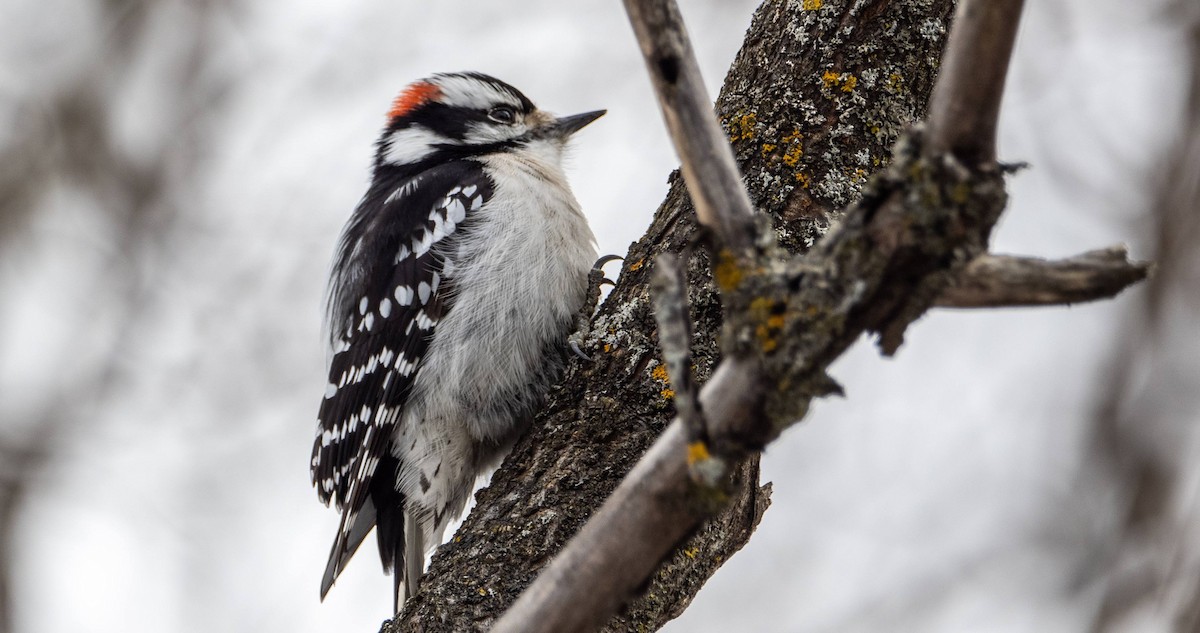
(454, 288)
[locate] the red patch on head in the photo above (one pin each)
(413, 97)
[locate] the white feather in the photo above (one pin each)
(519, 276)
(411, 144)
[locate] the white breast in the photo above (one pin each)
(519, 276)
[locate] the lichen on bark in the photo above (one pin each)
(813, 108)
(812, 103)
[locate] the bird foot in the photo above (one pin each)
(583, 319)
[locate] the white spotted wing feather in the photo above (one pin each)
(384, 308)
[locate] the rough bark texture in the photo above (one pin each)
(812, 104)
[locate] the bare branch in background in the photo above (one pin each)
(70, 144)
(1144, 436)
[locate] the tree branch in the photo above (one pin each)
(708, 165)
(965, 105)
(879, 270)
(613, 554)
(996, 281)
(813, 97)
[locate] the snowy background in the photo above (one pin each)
(173, 176)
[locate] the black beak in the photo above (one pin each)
(568, 125)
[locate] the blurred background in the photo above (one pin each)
(173, 176)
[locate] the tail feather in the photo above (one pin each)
(414, 555)
(390, 534)
(351, 532)
(401, 542)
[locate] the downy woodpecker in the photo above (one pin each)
(454, 288)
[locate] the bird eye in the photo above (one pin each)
(502, 114)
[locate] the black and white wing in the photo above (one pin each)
(387, 295)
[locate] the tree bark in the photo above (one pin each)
(812, 104)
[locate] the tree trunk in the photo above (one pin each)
(813, 102)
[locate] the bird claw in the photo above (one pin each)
(600, 263)
(583, 319)
(596, 280)
(573, 342)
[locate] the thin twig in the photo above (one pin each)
(995, 281)
(668, 286)
(669, 290)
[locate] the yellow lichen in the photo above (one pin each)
(830, 78)
(691, 552)
(803, 179)
(660, 374)
(770, 322)
(697, 452)
(746, 124)
(792, 157)
(811, 5)
(761, 306)
(845, 81)
(768, 342)
(637, 265)
(727, 273)
(795, 148)
(607, 348)
(960, 193)
(791, 145)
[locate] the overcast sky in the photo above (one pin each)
(943, 494)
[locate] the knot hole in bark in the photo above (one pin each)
(668, 66)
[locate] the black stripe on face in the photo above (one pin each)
(450, 122)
